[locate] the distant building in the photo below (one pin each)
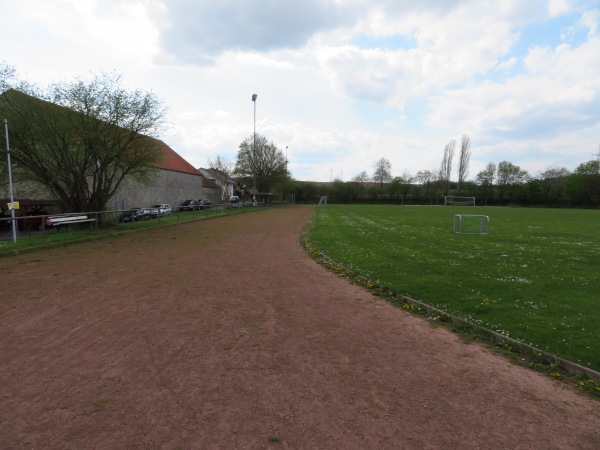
(226, 184)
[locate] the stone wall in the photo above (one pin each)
(167, 187)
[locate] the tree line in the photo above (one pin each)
(81, 139)
(497, 184)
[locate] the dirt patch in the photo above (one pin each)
(225, 334)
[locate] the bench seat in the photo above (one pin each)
(59, 221)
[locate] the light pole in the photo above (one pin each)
(254, 153)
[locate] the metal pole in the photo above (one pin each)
(254, 152)
(10, 186)
(286, 174)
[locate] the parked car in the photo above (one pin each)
(234, 199)
(135, 214)
(33, 220)
(205, 203)
(190, 205)
(160, 209)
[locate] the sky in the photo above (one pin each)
(340, 84)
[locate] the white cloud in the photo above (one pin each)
(342, 83)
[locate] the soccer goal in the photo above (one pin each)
(323, 200)
(471, 224)
(459, 201)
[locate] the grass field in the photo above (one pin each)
(535, 277)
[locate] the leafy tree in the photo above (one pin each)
(427, 180)
(509, 177)
(307, 191)
(266, 165)
(343, 192)
(361, 179)
(552, 184)
(485, 180)
(406, 180)
(382, 174)
(395, 187)
(583, 185)
(82, 139)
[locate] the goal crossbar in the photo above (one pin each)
(471, 224)
(459, 201)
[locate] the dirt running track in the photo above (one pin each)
(224, 334)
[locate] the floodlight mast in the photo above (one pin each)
(254, 154)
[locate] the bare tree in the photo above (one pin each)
(464, 160)
(382, 174)
(221, 168)
(446, 167)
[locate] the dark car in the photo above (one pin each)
(190, 205)
(205, 203)
(135, 214)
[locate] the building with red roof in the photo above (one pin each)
(175, 180)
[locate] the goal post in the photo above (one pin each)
(323, 200)
(471, 224)
(459, 201)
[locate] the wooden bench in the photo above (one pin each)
(66, 220)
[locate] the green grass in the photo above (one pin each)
(50, 238)
(535, 278)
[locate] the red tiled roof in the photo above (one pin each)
(172, 161)
(207, 182)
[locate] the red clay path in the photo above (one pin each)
(224, 334)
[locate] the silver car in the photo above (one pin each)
(160, 209)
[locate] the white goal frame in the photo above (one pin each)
(471, 224)
(459, 201)
(323, 201)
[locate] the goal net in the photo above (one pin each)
(323, 200)
(471, 224)
(459, 201)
